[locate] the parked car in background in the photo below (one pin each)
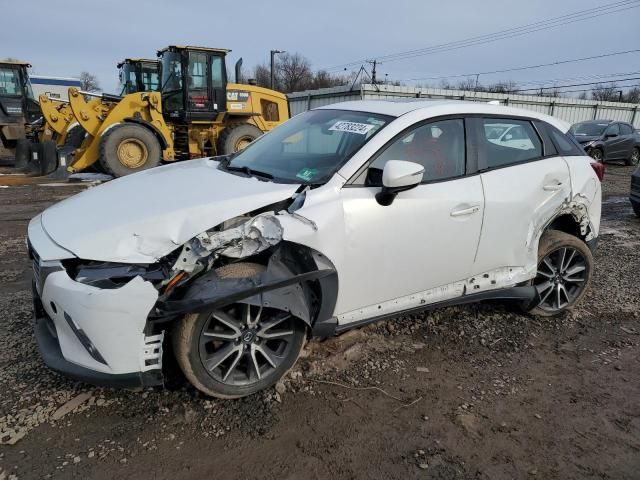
(341, 216)
(606, 140)
(634, 195)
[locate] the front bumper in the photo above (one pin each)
(88, 333)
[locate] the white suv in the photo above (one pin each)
(341, 216)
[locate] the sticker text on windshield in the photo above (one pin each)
(352, 127)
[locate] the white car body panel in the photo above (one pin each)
(510, 228)
(43, 244)
(143, 217)
(114, 320)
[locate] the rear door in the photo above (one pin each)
(523, 186)
(626, 133)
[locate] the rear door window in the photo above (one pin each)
(508, 141)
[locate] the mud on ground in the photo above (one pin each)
(466, 392)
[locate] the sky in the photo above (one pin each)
(63, 38)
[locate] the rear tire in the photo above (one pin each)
(129, 148)
(235, 137)
(565, 267)
(634, 158)
(225, 356)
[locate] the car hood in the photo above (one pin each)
(143, 217)
(586, 138)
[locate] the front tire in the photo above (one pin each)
(239, 349)
(129, 148)
(597, 154)
(565, 267)
(634, 158)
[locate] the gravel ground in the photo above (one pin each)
(477, 392)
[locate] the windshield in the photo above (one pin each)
(589, 129)
(310, 147)
(10, 82)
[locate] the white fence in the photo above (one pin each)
(571, 110)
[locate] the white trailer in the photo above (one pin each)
(54, 87)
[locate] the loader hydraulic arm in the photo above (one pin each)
(56, 113)
(89, 114)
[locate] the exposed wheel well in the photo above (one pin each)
(568, 224)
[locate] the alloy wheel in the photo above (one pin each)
(635, 157)
(596, 154)
(561, 277)
(243, 344)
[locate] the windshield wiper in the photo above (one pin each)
(249, 171)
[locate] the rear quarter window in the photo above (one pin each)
(566, 145)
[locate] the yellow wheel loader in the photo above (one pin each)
(196, 113)
(60, 124)
(18, 108)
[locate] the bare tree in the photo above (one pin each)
(293, 72)
(262, 75)
(508, 86)
(11, 59)
(89, 82)
(606, 93)
(323, 79)
(632, 95)
(582, 96)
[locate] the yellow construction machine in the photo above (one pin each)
(195, 113)
(18, 108)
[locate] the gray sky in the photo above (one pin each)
(62, 38)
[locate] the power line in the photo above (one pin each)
(586, 89)
(528, 67)
(567, 86)
(595, 12)
(600, 77)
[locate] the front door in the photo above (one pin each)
(426, 239)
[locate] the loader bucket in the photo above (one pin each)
(63, 159)
(23, 153)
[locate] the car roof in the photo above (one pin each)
(433, 108)
(595, 122)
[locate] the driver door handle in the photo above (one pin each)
(465, 211)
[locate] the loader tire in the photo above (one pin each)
(23, 153)
(75, 137)
(237, 136)
(129, 148)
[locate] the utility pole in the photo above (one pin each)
(373, 63)
(273, 54)
(475, 89)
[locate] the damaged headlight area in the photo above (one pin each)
(114, 275)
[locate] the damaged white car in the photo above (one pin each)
(341, 216)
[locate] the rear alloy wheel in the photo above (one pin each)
(564, 272)
(129, 148)
(634, 158)
(597, 155)
(239, 349)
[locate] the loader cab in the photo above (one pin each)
(138, 75)
(193, 83)
(17, 101)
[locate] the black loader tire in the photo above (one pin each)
(237, 136)
(129, 148)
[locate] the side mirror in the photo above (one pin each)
(398, 176)
(610, 135)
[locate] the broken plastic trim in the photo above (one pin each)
(276, 287)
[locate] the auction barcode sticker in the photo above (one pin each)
(352, 127)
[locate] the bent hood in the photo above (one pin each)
(143, 217)
(586, 138)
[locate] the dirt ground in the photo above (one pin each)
(458, 393)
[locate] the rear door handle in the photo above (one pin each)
(465, 211)
(552, 187)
